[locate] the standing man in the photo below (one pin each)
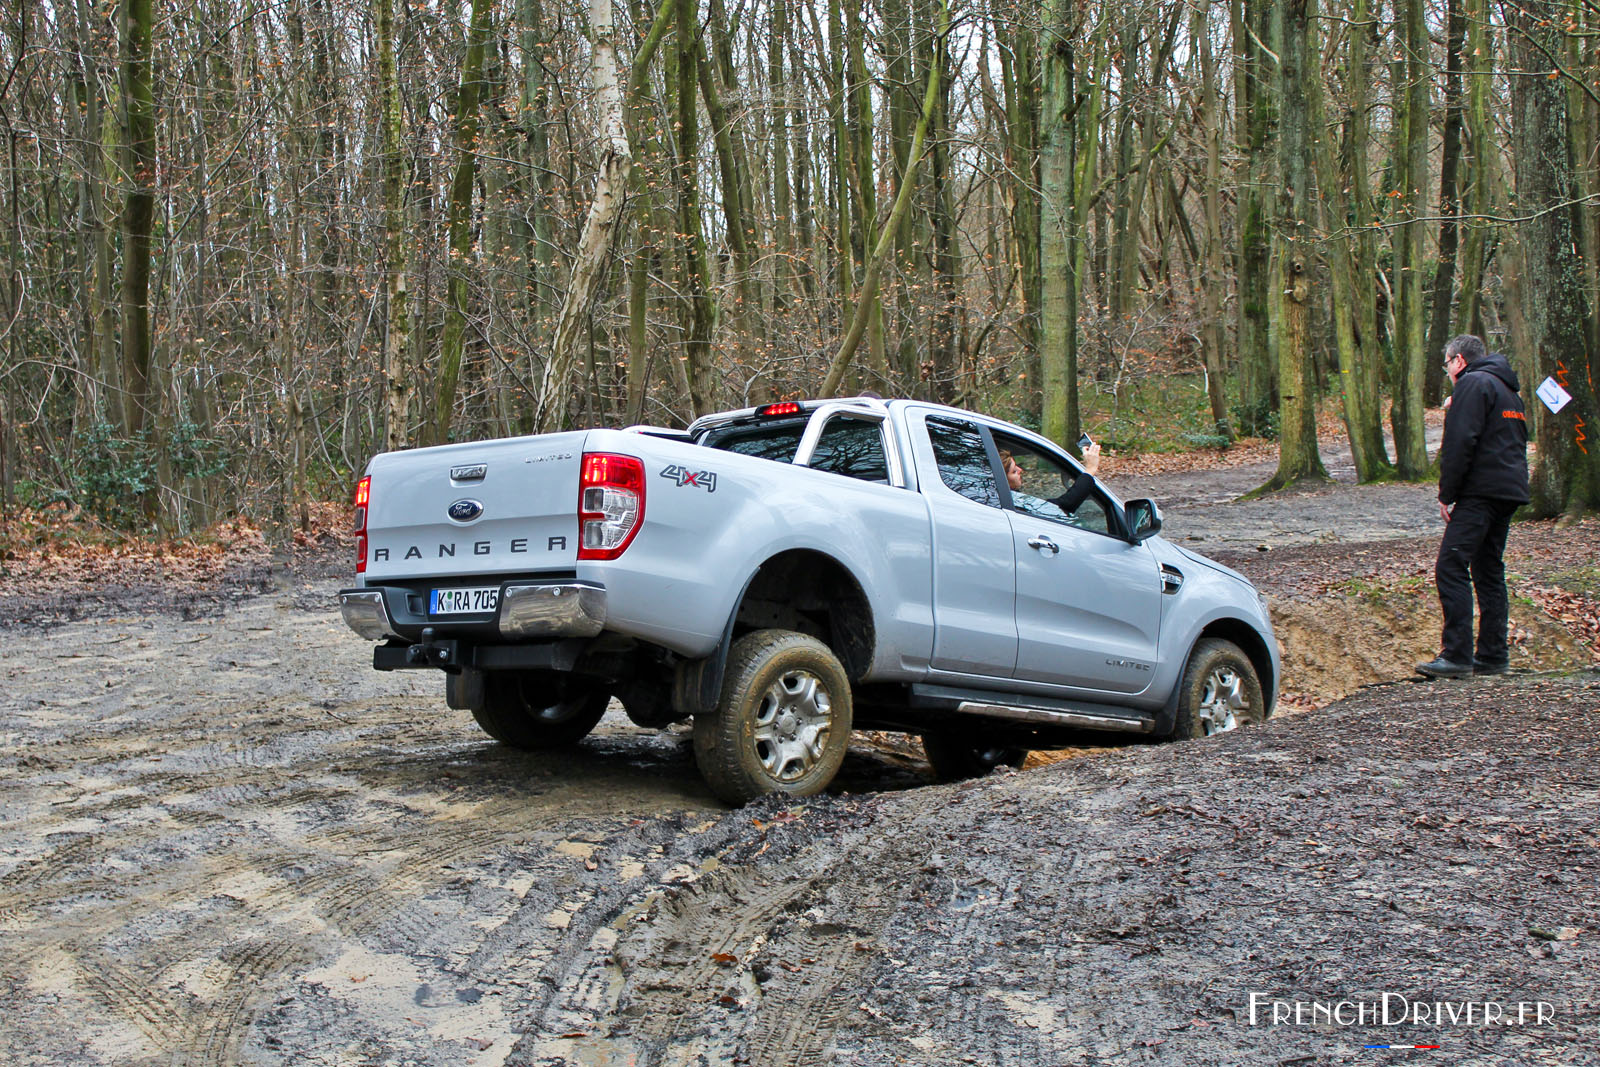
(1483, 478)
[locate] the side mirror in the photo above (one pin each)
(1143, 520)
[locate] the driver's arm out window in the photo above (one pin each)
(1047, 484)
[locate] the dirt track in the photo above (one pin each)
(227, 840)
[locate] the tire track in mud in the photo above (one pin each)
(219, 1029)
(745, 964)
(187, 1030)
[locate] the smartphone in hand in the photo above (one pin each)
(1084, 440)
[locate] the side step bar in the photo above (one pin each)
(1040, 711)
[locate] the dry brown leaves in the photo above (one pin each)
(1578, 613)
(59, 549)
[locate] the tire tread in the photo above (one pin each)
(717, 738)
(1200, 661)
(505, 716)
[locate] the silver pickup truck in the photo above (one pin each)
(787, 573)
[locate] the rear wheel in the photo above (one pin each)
(782, 724)
(1220, 691)
(535, 710)
(955, 755)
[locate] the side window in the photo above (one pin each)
(963, 461)
(1041, 484)
(853, 448)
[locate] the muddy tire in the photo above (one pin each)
(530, 710)
(1220, 691)
(957, 755)
(782, 724)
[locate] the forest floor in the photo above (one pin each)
(224, 839)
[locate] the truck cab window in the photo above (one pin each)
(853, 448)
(1045, 482)
(963, 461)
(765, 440)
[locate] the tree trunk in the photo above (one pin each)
(652, 225)
(101, 377)
(946, 249)
(902, 200)
(1411, 173)
(1583, 103)
(697, 306)
(1213, 273)
(1566, 477)
(783, 271)
(138, 213)
(1254, 21)
(1346, 206)
(1023, 156)
(459, 214)
(737, 224)
(1444, 275)
(1481, 152)
(610, 187)
(396, 374)
(1058, 238)
(1298, 458)
(864, 194)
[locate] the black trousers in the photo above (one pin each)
(1470, 556)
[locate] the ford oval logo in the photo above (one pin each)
(465, 510)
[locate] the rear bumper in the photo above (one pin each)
(366, 613)
(527, 610)
(552, 609)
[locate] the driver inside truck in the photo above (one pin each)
(1062, 506)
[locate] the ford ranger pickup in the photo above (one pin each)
(784, 574)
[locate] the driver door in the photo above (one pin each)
(1088, 603)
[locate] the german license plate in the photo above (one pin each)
(464, 601)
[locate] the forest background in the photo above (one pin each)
(243, 246)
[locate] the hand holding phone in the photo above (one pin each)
(1084, 440)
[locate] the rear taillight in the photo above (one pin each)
(363, 494)
(610, 504)
(783, 407)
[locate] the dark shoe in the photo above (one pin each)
(1443, 668)
(1480, 667)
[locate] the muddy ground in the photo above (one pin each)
(224, 839)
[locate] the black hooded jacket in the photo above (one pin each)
(1485, 450)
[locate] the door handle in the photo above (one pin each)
(1043, 544)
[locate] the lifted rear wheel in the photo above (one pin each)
(957, 755)
(538, 710)
(782, 724)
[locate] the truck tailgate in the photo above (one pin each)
(487, 507)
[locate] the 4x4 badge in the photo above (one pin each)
(683, 476)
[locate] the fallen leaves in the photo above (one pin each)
(1579, 613)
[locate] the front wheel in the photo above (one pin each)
(782, 724)
(1220, 691)
(954, 756)
(535, 710)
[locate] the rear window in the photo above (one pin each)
(766, 440)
